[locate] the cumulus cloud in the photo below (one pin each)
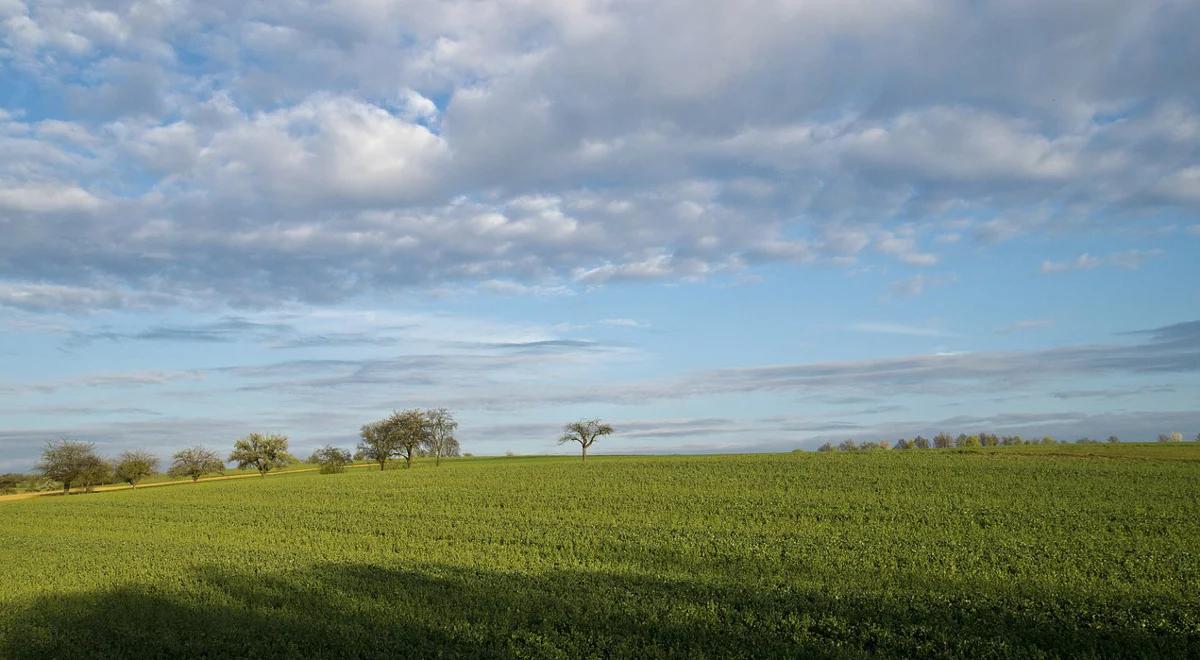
(326, 150)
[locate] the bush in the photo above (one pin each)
(331, 459)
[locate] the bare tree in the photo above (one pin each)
(195, 463)
(585, 432)
(68, 462)
(411, 432)
(440, 440)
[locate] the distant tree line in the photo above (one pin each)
(409, 434)
(962, 440)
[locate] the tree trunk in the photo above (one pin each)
(437, 459)
(66, 488)
(381, 464)
(584, 448)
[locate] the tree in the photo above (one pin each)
(825, 447)
(331, 459)
(440, 440)
(920, 442)
(96, 471)
(69, 462)
(133, 466)
(263, 451)
(942, 441)
(1175, 436)
(847, 445)
(378, 443)
(904, 444)
(9, 482)
(1049, 440)
(1112, 440)
(411, 432)
(586, 432)
(195, 463)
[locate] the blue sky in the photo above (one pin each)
(720, 228)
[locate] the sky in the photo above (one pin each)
(752, 226)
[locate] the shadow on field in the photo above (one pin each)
(358, 610)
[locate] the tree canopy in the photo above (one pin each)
(195, 462)
(262, 451)
(585, 432)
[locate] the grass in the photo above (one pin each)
(1027, 551)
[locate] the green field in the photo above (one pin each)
(1022, 551)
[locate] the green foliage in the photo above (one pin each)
(1064, 551)
(195, 462)
(9, 483)
(262, 451)
(331, 459)
(133, 466)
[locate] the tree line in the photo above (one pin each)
(962, 440)
(403, 435)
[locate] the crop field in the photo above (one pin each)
(1021, 551)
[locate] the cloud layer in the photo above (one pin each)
(255, 153)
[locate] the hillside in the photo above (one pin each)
(1062, 550)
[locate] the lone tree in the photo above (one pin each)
(586, 432)
(133, 466)
(69, 462)
(440, 440)
(195, 463)
(263, 451)
(331, 459)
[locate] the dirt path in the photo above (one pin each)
(113, 487)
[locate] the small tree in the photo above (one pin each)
(942, 441)
(331, 459)
(263, 451)
(440, 440)
(195, 463)
(827, 447)
(133, 466)
(586, 432)
(847, 445)
(1112, 440)
(69, 462)
(1175, 436)
(920, 442)
(903, 444)
(1049, 440)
